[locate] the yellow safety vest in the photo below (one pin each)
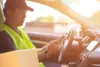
(21, 41)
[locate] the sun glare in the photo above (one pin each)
(41, 10)
(86, 7)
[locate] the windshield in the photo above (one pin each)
(87, 8)
(46, 17)
(45, 14)
(59, 13)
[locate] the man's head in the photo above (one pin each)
(15, 10)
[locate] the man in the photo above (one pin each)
(12, 36)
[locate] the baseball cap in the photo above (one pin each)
(13, 4)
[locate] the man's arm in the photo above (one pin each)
(6, 42)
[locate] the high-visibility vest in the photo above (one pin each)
(21, 41)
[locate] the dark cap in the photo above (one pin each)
(13, 4)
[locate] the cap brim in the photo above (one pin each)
(29, 8)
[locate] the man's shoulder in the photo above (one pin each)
(6, 42)
(3, 35)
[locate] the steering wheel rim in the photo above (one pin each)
(66, 44)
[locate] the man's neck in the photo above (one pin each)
(13, 26)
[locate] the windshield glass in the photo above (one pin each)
(87, 8)
(45, 14)
(58, 14)
(47, 19)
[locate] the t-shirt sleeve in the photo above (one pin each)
(6, 42)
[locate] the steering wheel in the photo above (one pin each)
(67, 44)
(61, 51)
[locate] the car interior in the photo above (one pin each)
(81, 44)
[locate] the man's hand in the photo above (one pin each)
(50, 52)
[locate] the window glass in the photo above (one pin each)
(45, 14)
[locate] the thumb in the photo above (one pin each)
(61, 39)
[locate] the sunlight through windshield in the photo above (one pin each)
(42, 11)
(85, 7)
